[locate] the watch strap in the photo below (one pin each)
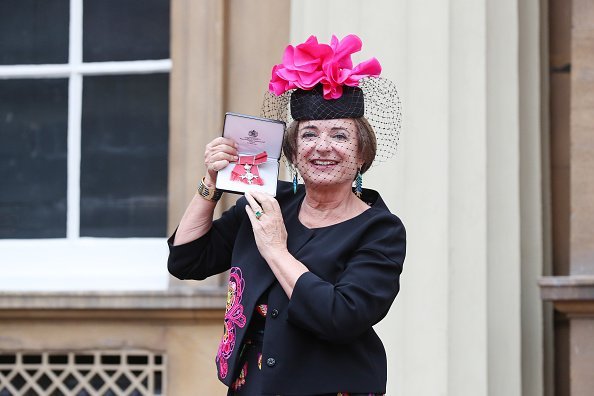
(210, 194)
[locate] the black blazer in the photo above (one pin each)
(322, 340)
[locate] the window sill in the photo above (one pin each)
(203, 303)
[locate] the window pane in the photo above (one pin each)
(124, 156)
(33, 158)
(119, 30)
(33, 31)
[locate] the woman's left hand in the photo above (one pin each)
(269, 228)
(270, 234)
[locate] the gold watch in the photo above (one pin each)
(210, 194)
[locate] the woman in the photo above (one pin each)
(312, 270)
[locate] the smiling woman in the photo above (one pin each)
(314, 268)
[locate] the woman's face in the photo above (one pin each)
(327, 152)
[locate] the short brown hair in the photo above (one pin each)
(366, 143)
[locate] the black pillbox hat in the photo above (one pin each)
(311, 105)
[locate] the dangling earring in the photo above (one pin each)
(294, 171)
(359, 183)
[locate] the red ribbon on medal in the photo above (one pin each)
(246, 169)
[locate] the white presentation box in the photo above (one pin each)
(260, 143)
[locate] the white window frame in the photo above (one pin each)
(81, 263)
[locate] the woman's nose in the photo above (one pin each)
(323, 144)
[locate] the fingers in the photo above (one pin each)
(267, 202)
(221, 144)
(217, 165)
(219, 160)
(222, 141)
(219, 153)
(269, 229)
(262, 205)
(253, 204)
(251, 216)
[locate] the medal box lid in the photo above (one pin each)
(254, 136)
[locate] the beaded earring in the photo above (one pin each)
(359, 183)
(294, 181)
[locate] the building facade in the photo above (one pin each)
(103, 122)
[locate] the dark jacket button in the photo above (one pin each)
(270, 362)
(274, 313)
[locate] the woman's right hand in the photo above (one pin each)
(217, 155)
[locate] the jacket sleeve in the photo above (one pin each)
(362, 293)
(211, 253)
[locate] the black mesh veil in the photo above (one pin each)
(382, 109)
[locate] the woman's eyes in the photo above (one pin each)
(308, 135)
(338, 136)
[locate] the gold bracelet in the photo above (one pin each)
(210, 194)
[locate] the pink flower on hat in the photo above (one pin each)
(312, 63)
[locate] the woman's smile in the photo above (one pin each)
(323, 163)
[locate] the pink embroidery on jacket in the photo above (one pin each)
(233, 317)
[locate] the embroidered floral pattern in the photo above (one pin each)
(234, 317)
